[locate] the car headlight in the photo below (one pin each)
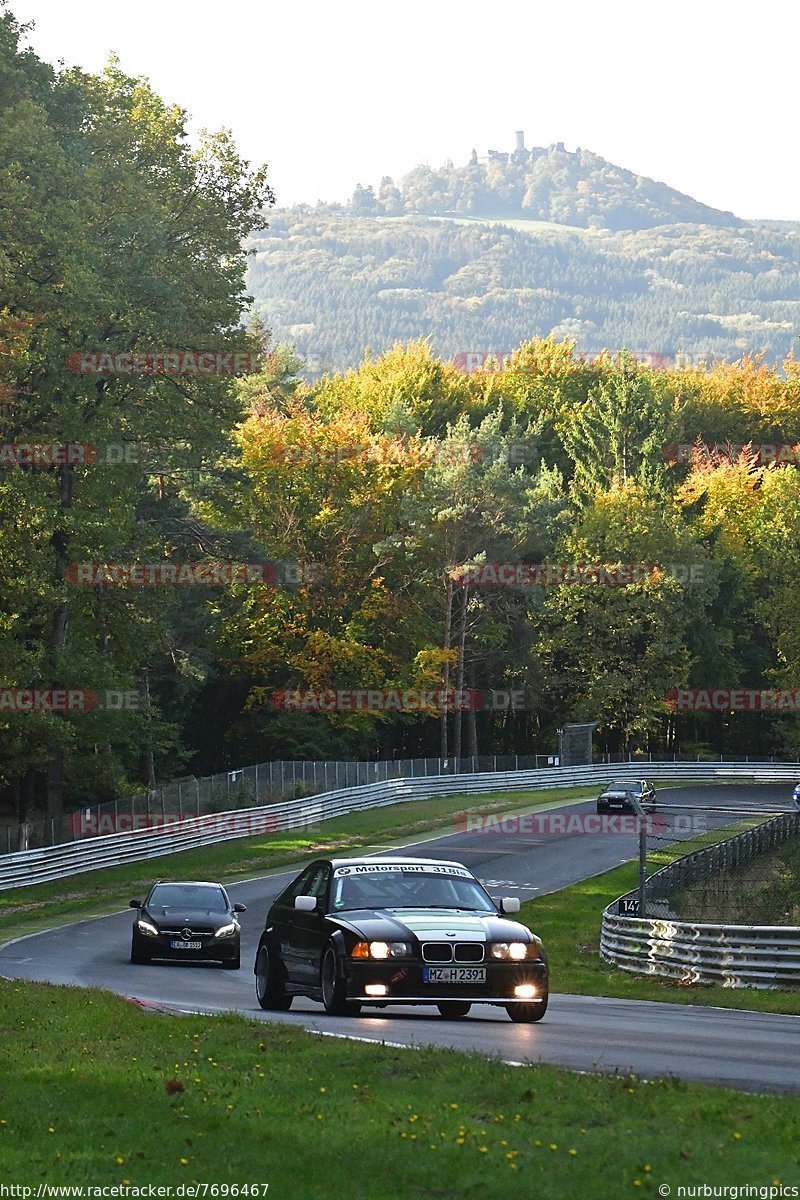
(516, 951)
(146, 928)
(382, 950)
(226, 930)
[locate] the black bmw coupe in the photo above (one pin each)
(349, 932)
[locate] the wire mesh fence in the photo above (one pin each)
(245, 787)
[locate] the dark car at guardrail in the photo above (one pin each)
(188, 921)
(400, 931)
(620, 795)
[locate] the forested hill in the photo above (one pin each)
(336, 285)
(543, 184)
(522, 244)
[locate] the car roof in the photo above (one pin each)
(395, 859)
(188, 883)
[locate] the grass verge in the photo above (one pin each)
(25, 910)
(569, 924)
(96, 1092)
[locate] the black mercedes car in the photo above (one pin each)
(618, 795)
(187, 921)
(349, 932)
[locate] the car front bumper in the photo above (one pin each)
(615, 804)
(405, 984)
(212, 949)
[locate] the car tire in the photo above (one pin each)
(333, 987)
(270, 992)
(526, 1014)
(454, 1010)
(139, 957)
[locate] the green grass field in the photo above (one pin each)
(521, 224)
(95, 1091)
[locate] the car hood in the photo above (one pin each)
(176, 918)
(401, 924)
(618, 793)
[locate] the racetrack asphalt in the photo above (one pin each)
(743, 1049)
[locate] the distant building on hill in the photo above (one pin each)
(520, 154)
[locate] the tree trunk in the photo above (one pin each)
(58, 638)
(448, 620)
(472, 724)
(460, 685)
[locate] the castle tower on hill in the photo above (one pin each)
(518, 155)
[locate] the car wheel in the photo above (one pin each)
(333, 990)
(270, 993)
(140, 957)
(526, 1014)
(453, 1010)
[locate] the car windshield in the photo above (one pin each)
(400, 889)
(623, 786)
(187, 895)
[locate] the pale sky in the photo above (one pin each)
(700, 94)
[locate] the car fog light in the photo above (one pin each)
(524, 991)
(375, 989)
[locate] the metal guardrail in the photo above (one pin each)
(271, 783)
(756, 956)
(246, 787)
(93, 854)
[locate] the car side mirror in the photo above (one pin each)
(240, 908)
(134, 904)
(509, 904)
(305, 903)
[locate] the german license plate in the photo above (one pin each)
(186, 945)
(454, 974)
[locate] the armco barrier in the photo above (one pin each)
(92, 854)
(755, 956)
